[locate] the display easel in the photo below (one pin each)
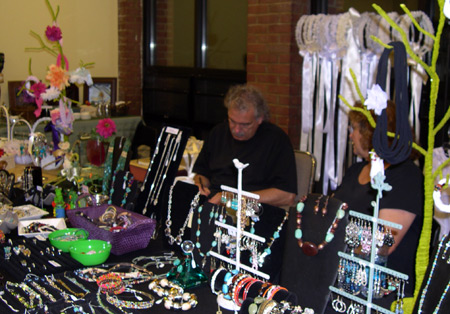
(239, 233)
(367, 302)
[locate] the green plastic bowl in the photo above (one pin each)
(63, 239)
(90, 252)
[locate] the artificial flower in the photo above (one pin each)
(57, 77)
(106, 128)
(376, 99)
(62, 117)
(80, 76)
(53, 33)
(51, 93)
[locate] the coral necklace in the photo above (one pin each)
(308, 247)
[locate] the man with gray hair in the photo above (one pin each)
(249, 137)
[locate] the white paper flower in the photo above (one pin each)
(308, 311)
(376, 99)
(51, 93)
(81, 76)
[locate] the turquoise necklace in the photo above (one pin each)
(120, 163)
(425, 290)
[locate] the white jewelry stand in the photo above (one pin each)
(239, 232)
(372, 266)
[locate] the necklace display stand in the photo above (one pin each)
(162, 170)
(371, 264)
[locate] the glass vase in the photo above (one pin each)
(96, 151)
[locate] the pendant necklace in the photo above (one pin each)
(171, 158)
(155, 153)
(309, 248)
(157, 170)
(168, 232)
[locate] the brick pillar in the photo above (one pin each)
(273, 61)
(130, 22)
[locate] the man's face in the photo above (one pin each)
(243, 124)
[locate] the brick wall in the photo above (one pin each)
(273, 62)
(130, 22)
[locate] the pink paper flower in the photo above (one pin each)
(106, 128)
(53, 33)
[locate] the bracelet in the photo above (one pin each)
(20, 298)
(253, 308)
(43, 291)
(183, 302)
(89, 274)
(240, 283)
(267, 306)
(6, 302)
(274, 290)
(77, 294)
(110, 283)
(114, 300)
(214, 276)
(158, 286)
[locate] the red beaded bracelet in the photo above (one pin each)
(110, 283)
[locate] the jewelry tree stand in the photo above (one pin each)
(371, 264)
(238, 231)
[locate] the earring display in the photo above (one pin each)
(365, 274)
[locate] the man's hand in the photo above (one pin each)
(202, 183)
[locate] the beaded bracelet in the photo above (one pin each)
(43, 291)
(17, 295)
(267, 306)
(110, 283)
(184, 302)
(159, 286)
(114, 300)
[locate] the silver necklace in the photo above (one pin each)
(153, 159)
(173, 157)
(156, 175)
(168, 231)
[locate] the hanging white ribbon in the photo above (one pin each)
(308, 87)
(329, 162)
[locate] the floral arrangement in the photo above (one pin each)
(105, 128)
(58, 75)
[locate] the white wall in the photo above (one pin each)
(89, 29)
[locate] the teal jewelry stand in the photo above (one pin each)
(381, 186)
(187, 274)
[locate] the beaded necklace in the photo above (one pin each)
(425, 289)
(120, 163)
(128, 181)
(276, 234)
(309, 248)
(114, 300)
(168, 232)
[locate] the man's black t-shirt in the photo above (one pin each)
(269, 154)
